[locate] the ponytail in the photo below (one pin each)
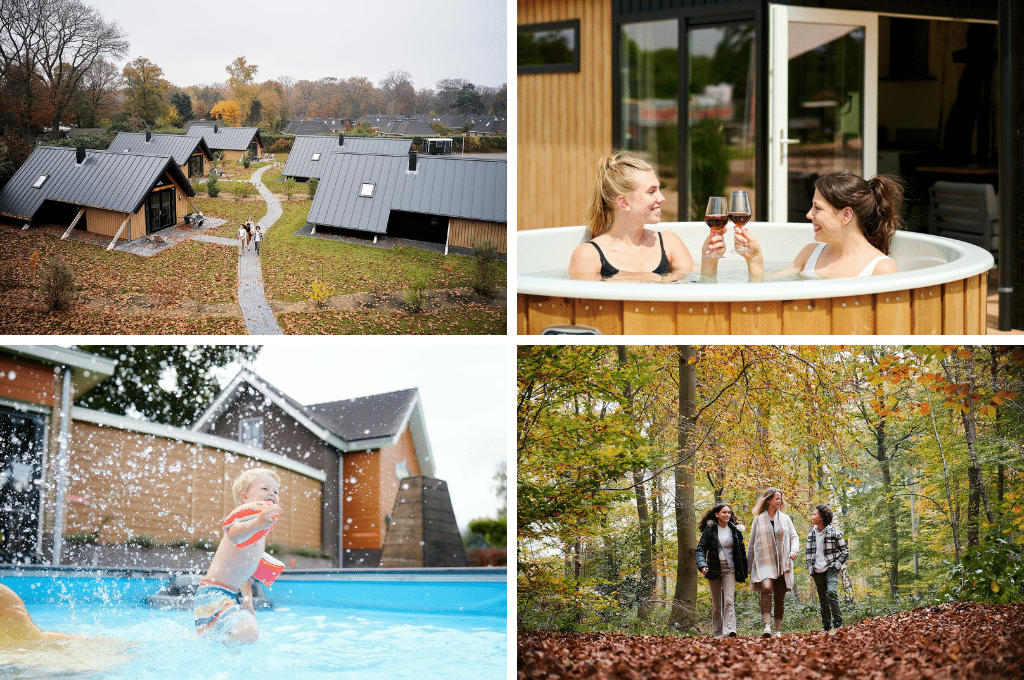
(877, 203)
(615, 177)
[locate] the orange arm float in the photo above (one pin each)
(248, 510)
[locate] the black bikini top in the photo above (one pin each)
(608, 269)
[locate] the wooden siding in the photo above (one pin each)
(107, 222)
(170, 490)
(28, 381)
(371, 497)
(564, 119)
(466, 233)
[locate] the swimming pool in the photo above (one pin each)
(327, 624)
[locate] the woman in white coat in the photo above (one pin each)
(773, 545)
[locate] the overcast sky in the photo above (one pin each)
(463, 388)
(193, 42)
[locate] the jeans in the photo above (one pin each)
(827, 583)
(723, 603)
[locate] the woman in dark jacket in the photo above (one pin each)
(722, 559)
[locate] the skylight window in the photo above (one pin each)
(316, 156)
(366, 190)
(39, 182)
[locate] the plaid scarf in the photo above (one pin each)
(768, 549)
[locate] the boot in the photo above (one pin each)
(778, 627)
(767, 618)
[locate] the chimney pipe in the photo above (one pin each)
(412, 160)
(79, 154)
(149, 136)
(214, 128)
(341, 139)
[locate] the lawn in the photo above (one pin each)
(290, 262)
(473, 319)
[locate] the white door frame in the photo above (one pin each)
(778, 93)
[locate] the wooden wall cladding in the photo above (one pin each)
(564, 119)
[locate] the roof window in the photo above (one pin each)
(366, 190)
(39, 182)
(316, 157)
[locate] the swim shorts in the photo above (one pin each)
(218, 610)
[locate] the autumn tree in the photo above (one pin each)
(99, 89)
(228, 111)
(50, 47)
(398, 93)
(182, 103)
(242, 86)
(144, 90)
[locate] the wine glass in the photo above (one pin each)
(739, 213)
(716, 217)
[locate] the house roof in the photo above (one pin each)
(112, 181)
(470, 188)
(223, 138)
(348, 425)
(494, 126)
(179, 147)
(307, 126)
(300, 161)
(410, 127)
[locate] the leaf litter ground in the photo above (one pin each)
(960, 640)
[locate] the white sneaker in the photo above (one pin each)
(778, 633)
(767, 631)
(832, 631)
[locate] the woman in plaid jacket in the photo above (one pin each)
(774, 544)
(825, 554)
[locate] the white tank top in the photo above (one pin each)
(809, 273)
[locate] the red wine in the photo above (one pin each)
(717, 222)
(739, 219)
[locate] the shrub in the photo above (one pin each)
(416, 296)
(204, 544)
(58, 286)
(485, 279)
(310, 552)
(83, 538)
(289, 188)
(311, 186)
(320, 291)
(212, 185)
(246, 160)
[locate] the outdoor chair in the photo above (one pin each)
(966, 212)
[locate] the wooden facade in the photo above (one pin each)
(561, 138)
(373, 492)
(124, 484)
(28, 381)
(464, 233)
(108, 222)
(422, 531)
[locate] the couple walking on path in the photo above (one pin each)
(768, 561)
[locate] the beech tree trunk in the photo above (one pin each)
(684, 602)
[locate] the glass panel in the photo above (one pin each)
(649, 62)
(721, 114)
(826, 73)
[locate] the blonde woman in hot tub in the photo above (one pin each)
(854, 221)
(626, 199)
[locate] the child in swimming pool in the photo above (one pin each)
(223, 604)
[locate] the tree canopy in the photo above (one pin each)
(138, 386)
(918, 449)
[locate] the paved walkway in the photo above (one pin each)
(259, 319)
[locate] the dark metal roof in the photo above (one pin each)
(226, 138)
(300, 161)
(112, 181)
(373, 417)
(470, 188)
(179, 147)
(411, 127)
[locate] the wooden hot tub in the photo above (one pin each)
(939, 290)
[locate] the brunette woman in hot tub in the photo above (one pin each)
(620, 246)
(854, 220)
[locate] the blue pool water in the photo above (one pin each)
(318, 629)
